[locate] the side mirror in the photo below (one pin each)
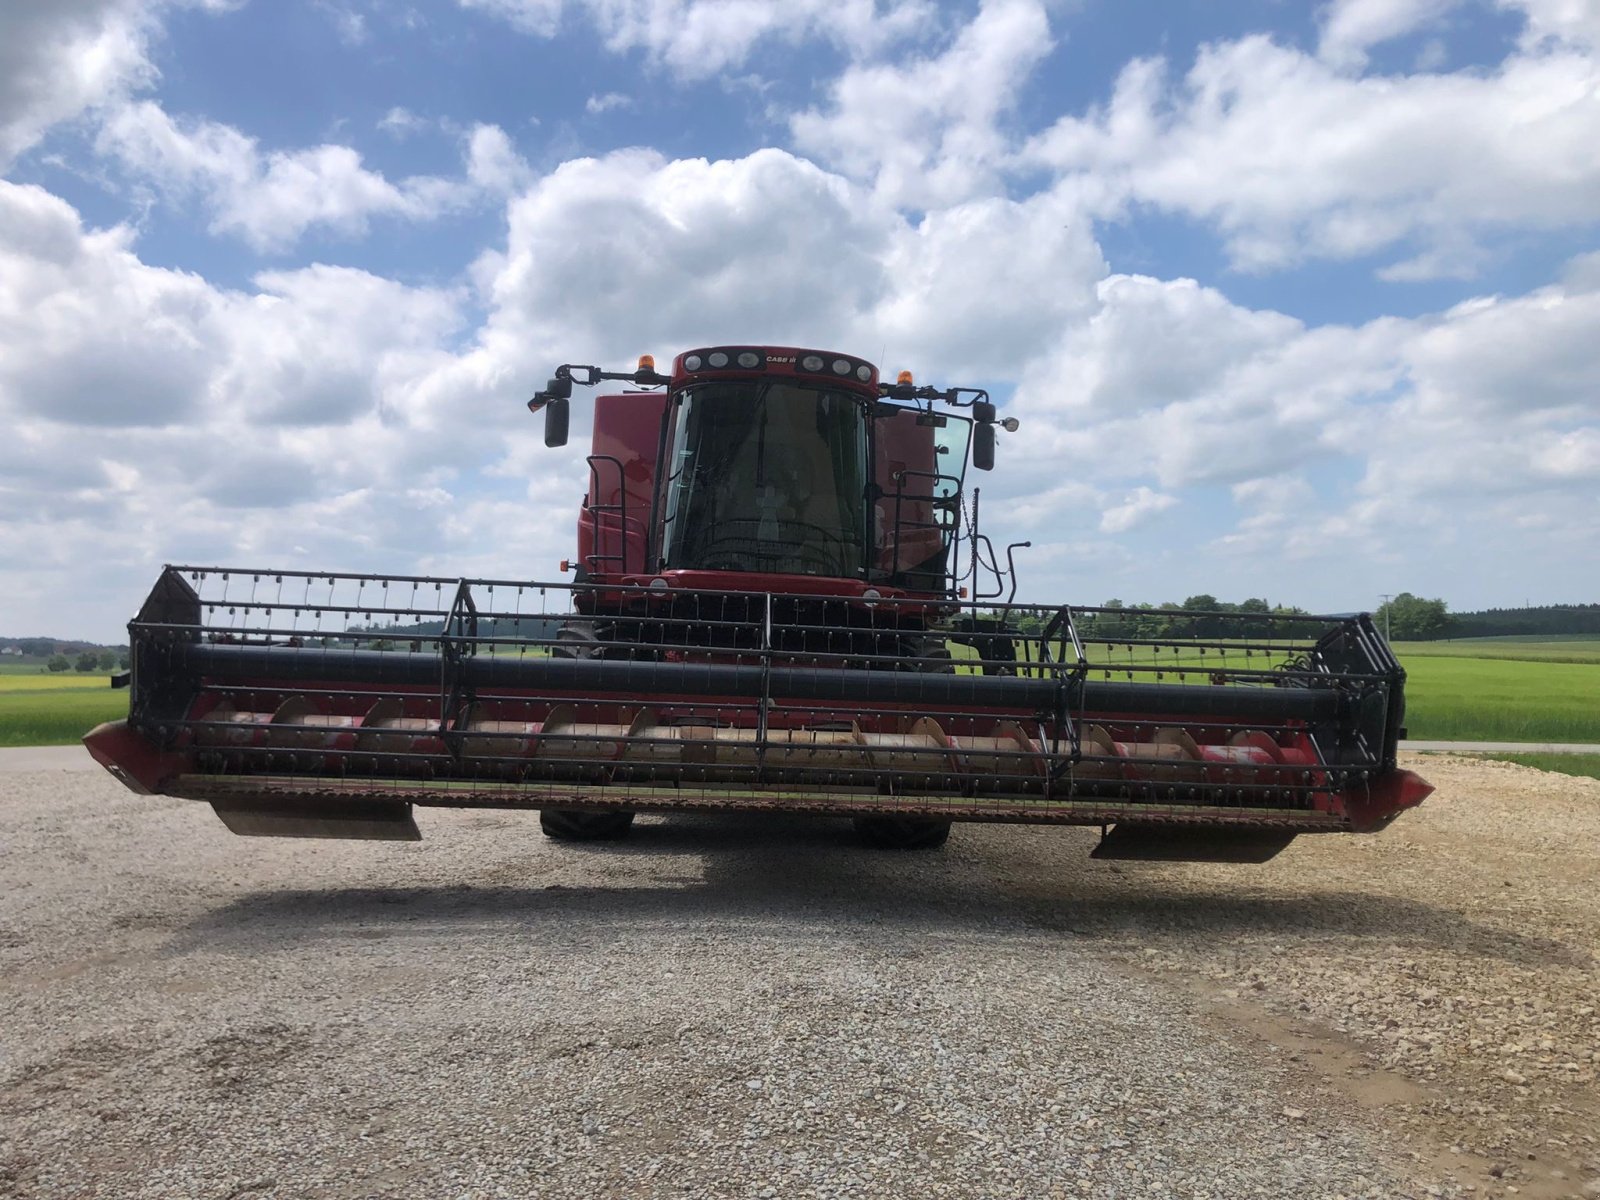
(559, 388)
(556, 415)
(983, 446)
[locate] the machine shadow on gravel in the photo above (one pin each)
(810, 877)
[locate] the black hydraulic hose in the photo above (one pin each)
(240, 665)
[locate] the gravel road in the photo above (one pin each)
(757, 1007)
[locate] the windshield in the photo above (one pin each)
(766, 476)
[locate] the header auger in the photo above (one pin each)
(770, 612)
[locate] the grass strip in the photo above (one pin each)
(1584, 766)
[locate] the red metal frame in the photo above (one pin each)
(614, 542)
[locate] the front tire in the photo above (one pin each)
(903, 833)
(580, 639)
(581, 825)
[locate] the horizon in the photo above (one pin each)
(71, 640)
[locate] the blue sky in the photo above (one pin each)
(1294, 301)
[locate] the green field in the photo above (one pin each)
(1490, 689)
(1546, 649)
(1501, 700)
(55, 710)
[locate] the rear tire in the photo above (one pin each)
(581, 825)
(933, 657)
(903, 833)
(576, 639)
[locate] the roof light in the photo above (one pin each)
(903, 377)
(841, 366)
(692, 362)
(1010, 424)
(717, 359)
(647, 362)
(863, 372)
(749, 359)
(812, 362)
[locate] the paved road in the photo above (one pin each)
(45, 758)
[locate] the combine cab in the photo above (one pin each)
(768, 615)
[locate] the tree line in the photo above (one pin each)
(1201, 616)
(88, 661)
(1545, 620)
(1404, 618)
(1415, 619)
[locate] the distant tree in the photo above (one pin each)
(1289, 629)
(59, 662)
(1207, 626)
(87, 661)
(108, 660)
(1141, 622)
(37, 647)
(1409, 618)
(124, 660)
(1169, 621)
(1112, 624)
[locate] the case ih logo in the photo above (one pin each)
(780, 358)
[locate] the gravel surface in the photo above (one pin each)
(758, 1007)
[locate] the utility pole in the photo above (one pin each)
(1387, 596)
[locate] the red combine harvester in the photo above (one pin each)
(782, 602)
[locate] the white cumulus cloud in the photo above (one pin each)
(1291, 158)
(607, 102)
(927, 131)
(59, 58)
(271, 198)
(698, 39)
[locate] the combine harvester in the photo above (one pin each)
(781, 602)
